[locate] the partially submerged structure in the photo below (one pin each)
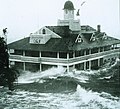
(68, 44)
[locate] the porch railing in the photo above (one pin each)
(71, 61)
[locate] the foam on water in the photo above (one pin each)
(79, 99)
(29, 77)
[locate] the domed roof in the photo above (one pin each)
(69, 5)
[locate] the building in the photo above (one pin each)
(68, 44)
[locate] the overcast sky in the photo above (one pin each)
(23, 17)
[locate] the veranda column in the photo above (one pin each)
(68, 63)
(89, 61)
(84, 65)
(40, 61)
(74, 57)
(84, 62)
(99, 58)
(24, 62)
(68, 69)
(103, 49)
(58, 56)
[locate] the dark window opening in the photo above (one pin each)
(32, 53)
(63, 55)
(49, 54)
(43, 31)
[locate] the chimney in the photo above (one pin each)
(98, 28)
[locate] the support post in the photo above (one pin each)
(98, 62)
(67, 55)
(103, 49)
(24, 62)
(68, 68)
(24, 66)
(84, 65)
(73, 54)
(98, 49)
(89, 51)
(89, 65)
(58, 56)
(40, 61)
(40, 54)
(40, 67)
(84, 52)
(23, 53)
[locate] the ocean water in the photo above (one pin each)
(56, 89)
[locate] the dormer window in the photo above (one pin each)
(92, 37)
(79, 39)
(43, 31)
(105, 36)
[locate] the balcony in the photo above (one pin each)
(60, 61)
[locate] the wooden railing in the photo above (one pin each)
(71, 61)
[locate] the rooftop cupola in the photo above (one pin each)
(68, 10)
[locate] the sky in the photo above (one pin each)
(23, 17)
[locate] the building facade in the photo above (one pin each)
(68, 44)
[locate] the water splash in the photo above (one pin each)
(81, 98)
(29, 77)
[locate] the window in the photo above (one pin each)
(79, 39)
(93, 37)
(104, 36)
(43, 31)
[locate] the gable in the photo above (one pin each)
(98, 36)
(79, 39)
(42, 36)
(47, 31)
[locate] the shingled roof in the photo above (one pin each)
(64, 44)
